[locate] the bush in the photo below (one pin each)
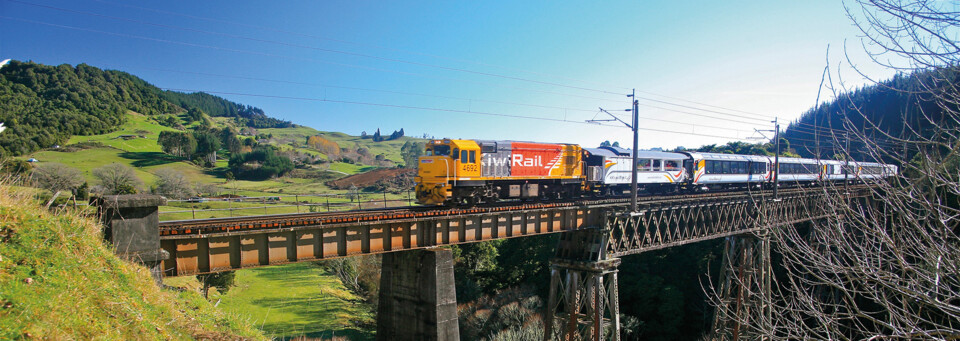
(116, 178)
(56, 177)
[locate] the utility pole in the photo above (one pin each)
(776, 158)
(636, 138)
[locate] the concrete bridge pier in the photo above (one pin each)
(132, 225)
(418, 297)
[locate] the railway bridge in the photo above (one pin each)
(417, 298)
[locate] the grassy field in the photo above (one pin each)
(284, 301)
(136, 125)
(390, 149)
(60, 281)
(293, 300)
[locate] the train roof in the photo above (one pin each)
(797, 160)
(734, 157)
(641, 154)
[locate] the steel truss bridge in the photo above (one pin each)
(583, 298)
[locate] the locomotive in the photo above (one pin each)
(468, 172)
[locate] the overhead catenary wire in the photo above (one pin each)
(698, 115)
(693, 125)
(400, 106)
(704, 126)
(273, 29)
(328, 50)
(273, 55)
(370, 56)
(765, 116)
(368, 89)
(348, 65)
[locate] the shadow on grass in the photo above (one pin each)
(349, 334)
(310, 314)
(219, 172)
(288, 274)
(147, 159)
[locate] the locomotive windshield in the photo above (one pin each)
(441, 150)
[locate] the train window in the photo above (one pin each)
(741, 167)
(429, 152)
(463, 156)
(473, 156)
(441, 150)
(656, 165)
(725, 167)
(644, 165)
(671, 165)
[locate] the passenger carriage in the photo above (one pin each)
(796, 171)
(656, 171)
(873, 170)
(714, 170)
(833, 170)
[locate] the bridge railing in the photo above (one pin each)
(237, 206)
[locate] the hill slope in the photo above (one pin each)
(900, 107)
(45, 105)
(58, 280)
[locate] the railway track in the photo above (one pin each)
(278, 221)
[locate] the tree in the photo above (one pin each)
(263, 162)
(223, 281)
(116, 178)
(884, 270)
(229, 141)
(194, 115)
(172, 184)
(605, 144)
(411, 153)
(15, 166)
(56, 177)
(207, 146)
(325, 146)
(83, 192)
(181, 144)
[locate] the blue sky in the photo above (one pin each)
(715, 70)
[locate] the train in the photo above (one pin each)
(456, 172)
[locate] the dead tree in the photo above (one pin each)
(888, 268)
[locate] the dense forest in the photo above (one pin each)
(879, 114)
(43, 105)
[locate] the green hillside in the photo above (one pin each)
(43, 105)
(59, 280)
(312, 303)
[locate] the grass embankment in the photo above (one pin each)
(294, 300)
(59, 280)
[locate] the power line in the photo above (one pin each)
(437, 96)
(355, 54)
(398, 106)
(707, 105)
(266, 28)
(369, 89)
(283, 56)
(691, 124)
(366, 55)
(707, 110)
(698, 115)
